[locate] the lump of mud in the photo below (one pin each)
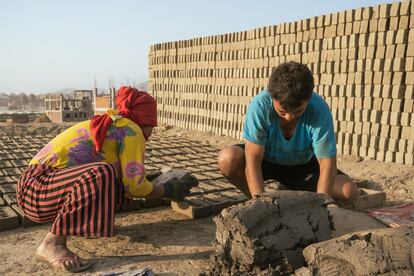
(376, 252)
(266, 235)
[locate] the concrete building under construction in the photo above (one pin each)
(103, 101)
(80, 105)
(70, 108)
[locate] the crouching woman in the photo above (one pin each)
(79, 177)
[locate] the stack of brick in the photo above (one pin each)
(362, 62)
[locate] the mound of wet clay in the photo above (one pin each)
(376, 252)
(266, 235)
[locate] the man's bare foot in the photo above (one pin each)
(53, 249)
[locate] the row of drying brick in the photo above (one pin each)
(153, 163)
(9, 218)
(372, 130)
(23, 140)
(379, 103)
(385, 116)
(13, 163)
(204, 116)
(395, 125)
(363, 77)
(11, 215)
(375, 142)
(382, 142)
(234, 87)
(213, 94)
(389, 44)
(386, 111)
(363, 129)
(216, 126)
(344, 19)
(370, 91)
(210, 182)
(387, 103)
(16, 167)
(250, 86)
(20, 145)
(367, 33)
(355, 96)
(187, 66)
(362, 59)
(376, 154)
(380, 114)
(182, 80)
(15, 158)
(172, 143)
(398, 100)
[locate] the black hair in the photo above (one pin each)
(291, 84)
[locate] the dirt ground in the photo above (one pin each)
(168, 242)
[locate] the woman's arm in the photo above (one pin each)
(131, 153)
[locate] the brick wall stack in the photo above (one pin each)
(362, 61)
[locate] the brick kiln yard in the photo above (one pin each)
(165, 240)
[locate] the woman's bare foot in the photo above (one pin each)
(53, 249)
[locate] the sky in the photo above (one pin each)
(50, 45)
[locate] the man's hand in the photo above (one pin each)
(177, 189)
(327, 198)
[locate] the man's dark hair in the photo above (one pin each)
(291, 84)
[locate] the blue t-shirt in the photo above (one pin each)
(314, 133)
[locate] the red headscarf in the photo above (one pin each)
(138, 106)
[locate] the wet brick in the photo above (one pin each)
(8, 189)
(8, 219)
(10, 199)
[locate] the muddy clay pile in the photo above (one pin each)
(267, 235)
(377, 252)
(288, 232)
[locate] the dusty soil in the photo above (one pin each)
(170, 243)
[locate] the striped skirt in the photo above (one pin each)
(80, 201)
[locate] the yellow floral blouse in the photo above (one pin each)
(124, 147)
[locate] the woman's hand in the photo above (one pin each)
(178, 189)
(152, 175)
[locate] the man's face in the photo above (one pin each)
(291, 115)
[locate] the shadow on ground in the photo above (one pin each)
(184, 232)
